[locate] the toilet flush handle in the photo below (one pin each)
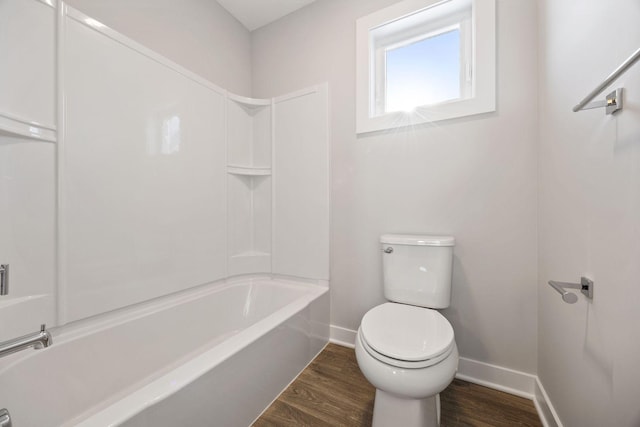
(388, 250)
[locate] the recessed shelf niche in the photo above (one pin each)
(249, 151)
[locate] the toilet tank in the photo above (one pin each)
(417, 269)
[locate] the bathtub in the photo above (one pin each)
(214, 356)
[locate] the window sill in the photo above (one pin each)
(426, 114)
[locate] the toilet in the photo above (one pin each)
(405, 347)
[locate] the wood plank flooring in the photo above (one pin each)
(333, 392)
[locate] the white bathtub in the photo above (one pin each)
(215, 356)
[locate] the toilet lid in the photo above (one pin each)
(405, 332)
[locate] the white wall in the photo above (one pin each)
(474, 178)
(589, 214)
(200, 35)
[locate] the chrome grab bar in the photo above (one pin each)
(585, 286)
(5, 418)
(36, 340)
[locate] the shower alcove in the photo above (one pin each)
(249, 184)
(147, 192)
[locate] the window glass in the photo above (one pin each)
(424, 72)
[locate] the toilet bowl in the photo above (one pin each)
(409, 355)
(404, 347)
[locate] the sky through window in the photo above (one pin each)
(423, 73)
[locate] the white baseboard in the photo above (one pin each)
(546, 411)
(496, 377)
(492, 376)
(343, 336)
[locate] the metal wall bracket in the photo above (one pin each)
(612, 103)
(4, 282)
(585, 286)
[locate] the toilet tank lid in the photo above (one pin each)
(418, 239)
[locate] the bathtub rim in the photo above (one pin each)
(81, 328)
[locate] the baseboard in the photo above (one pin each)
(492, 376)
(496, 377)
(546, 411)
(343, 336)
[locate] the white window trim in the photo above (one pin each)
(483, 100)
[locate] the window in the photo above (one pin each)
(423, 72)
(421, 60)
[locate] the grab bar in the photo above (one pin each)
(585, 286)
(613, 102)
(36, 340)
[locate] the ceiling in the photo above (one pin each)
(256, 13)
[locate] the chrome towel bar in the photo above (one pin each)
(585, 286)
(613, 101)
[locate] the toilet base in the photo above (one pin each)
(390, 410)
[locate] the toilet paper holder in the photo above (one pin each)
(585, 286)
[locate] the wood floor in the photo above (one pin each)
(333, 392)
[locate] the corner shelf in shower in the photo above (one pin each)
(248, 170)
(249, 102)
(249, 186)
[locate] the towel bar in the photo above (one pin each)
(613, 101)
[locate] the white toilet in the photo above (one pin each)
(405, 348)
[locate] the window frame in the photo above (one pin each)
(478, 65)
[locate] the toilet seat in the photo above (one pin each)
(402, 363)
(406, 336)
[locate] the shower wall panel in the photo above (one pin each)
(143, 168)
